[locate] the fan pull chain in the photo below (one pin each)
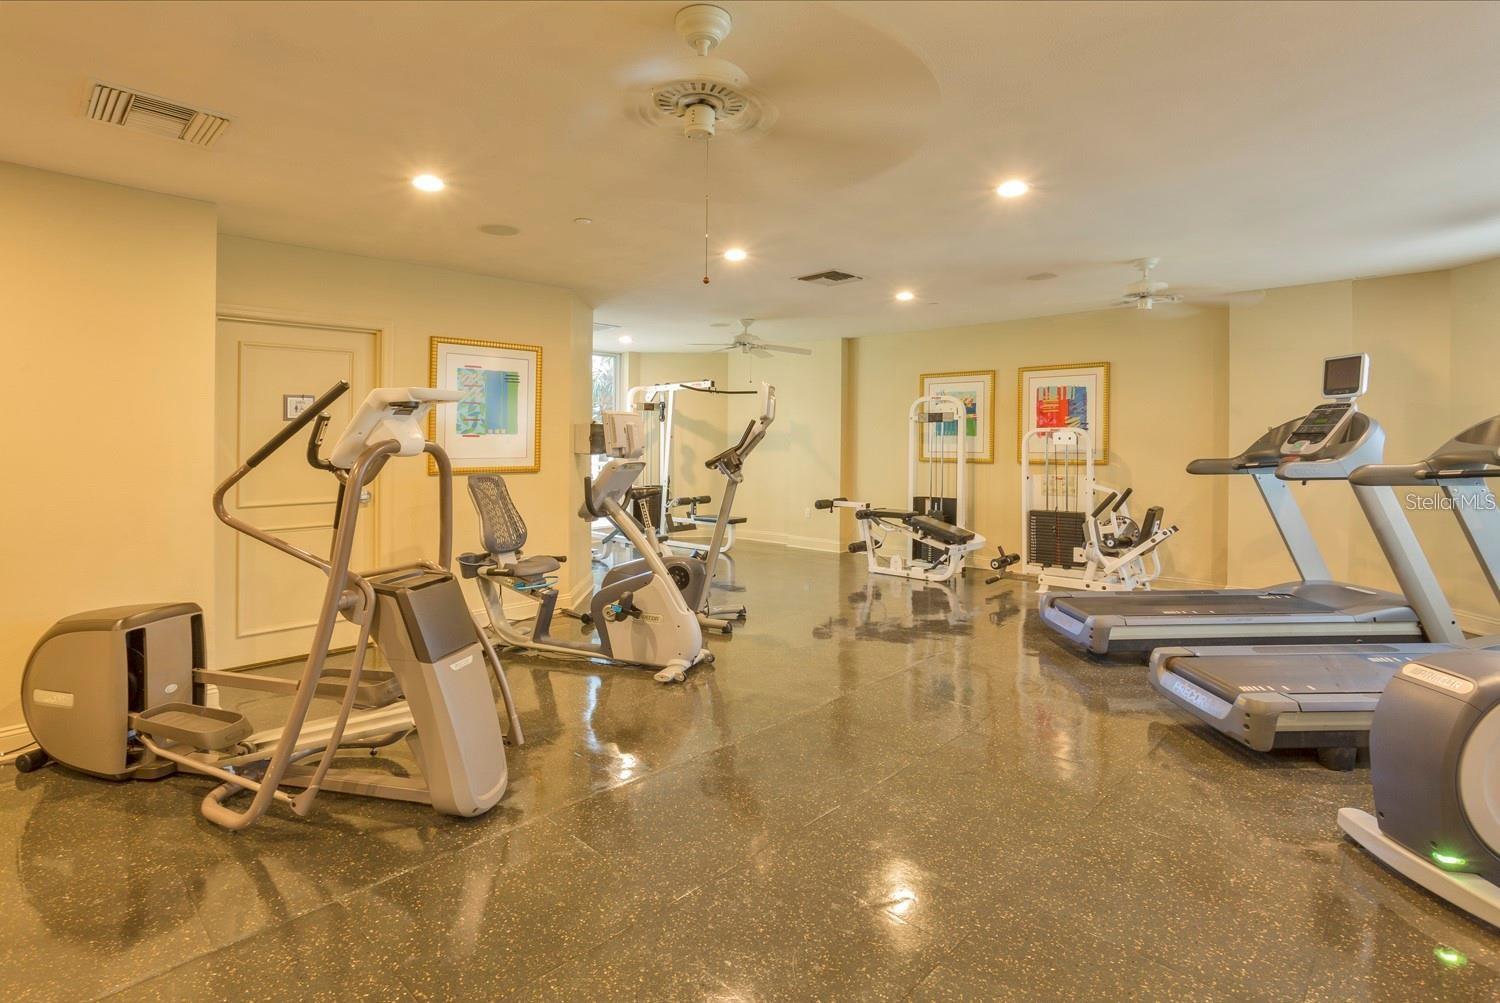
(705, 211)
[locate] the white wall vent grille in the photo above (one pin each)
(134, 110)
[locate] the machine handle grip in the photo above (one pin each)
(588, 497)
(826, 503)
(1121, 500)
(298, 423)
(691, 500)
(1099, 509)
(315, 444)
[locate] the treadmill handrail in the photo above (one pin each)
(1263, 452)
(1472, 453)
(1408, 474)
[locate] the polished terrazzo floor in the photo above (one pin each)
(879, 791)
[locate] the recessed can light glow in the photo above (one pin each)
(1012, 188)
(428, 183)
(735, 254)
(906, 296)
(625, 339)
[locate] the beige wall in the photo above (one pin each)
(1167, 405)
(409, 304)
(1434, 343)
(800, 459)
(698, 420)
(107, 333)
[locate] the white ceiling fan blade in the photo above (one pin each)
(791, 349)
(759, 353)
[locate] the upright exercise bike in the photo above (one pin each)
(693, 573)
(641, 618)
(120, 693)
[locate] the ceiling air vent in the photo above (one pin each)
(832, 277)
(600, 327)
(117, 106)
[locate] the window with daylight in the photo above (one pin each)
(606, 384)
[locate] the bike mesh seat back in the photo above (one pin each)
(500, 523)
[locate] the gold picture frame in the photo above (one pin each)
(1088, 375)
(489, 449)
(978, 384)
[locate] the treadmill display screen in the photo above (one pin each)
(1344, 376)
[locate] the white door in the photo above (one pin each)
(265, 601)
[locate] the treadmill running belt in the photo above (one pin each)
(1289, 674)
(1164, 603)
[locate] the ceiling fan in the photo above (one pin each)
(1146, 293)
(749, 344)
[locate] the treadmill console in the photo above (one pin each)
(1345, 377)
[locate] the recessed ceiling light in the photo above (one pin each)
(1041, 276)
(500, 229)
(1012, 188)
(735, 254)
(428, 183)
(906, 296)
(625, 339)
(582, 219)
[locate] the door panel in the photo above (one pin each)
(267, 602)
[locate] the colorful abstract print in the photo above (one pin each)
(1062, 406)
(491, 402)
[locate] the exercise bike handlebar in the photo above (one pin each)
(311, 412)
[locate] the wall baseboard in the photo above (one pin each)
(1482, 624)
(14, 737)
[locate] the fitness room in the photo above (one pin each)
(750, 501)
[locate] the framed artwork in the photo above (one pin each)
(1067, 396)
(976, 390)
(497, 427)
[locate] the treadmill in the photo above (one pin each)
(1324, 697)
(1327, 444)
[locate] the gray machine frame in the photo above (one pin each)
(435, 696)
(1324, 696)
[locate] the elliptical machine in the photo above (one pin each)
(693, 573)
(641, 618)
(1435, 736)
(120, 693)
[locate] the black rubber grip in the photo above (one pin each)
(1108, 500)
(825, 503)
(1121, 500)
(298, 423)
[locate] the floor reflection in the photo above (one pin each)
(880, 789)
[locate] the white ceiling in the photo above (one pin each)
(1248, 145)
